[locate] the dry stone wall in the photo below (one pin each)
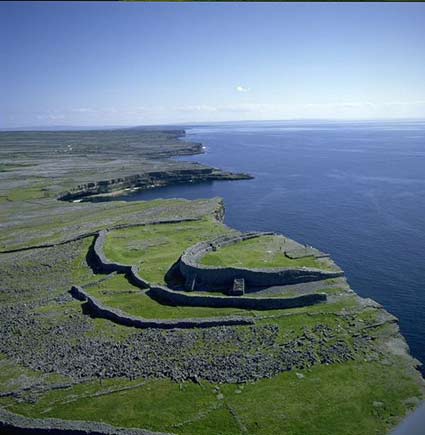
(201, 277)
(135, 279)
(216, 278)
(165, 295)
(97, 309)
(101, 261)
(14, 424)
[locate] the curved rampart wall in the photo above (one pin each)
(193, 254)
(101, 261)
(165, 295)
(97, 309)
(222, 278)
(202, 277)
(107, 266)
(14, 424)
(216, 278)
(135, 279)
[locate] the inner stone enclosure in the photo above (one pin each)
(252, 261)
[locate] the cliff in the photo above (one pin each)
(147, 180)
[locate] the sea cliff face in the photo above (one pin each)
(147, 180)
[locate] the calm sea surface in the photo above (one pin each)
(354, 190)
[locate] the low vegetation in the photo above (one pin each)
(354, 398)
(119, 293)
(155, 248)
(259, 252)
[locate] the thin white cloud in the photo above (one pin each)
(83, 110)
(242, 89)
(197, 108)
(50, 117)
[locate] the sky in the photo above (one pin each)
(99, 64)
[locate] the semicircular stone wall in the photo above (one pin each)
(201, 277)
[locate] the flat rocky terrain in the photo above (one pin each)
(337, 367)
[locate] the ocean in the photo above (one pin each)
(353, 189)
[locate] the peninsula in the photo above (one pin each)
(154, 316)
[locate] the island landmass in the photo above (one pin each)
(154, 316)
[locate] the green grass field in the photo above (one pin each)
(119, 293)
(353, 398)
(259, 252)
(155, 248)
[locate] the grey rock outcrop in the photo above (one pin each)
(14, 424)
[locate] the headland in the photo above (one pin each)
(156, 317)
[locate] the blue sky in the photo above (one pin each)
(151, 63)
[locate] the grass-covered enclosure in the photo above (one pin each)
(155, 248)
(267, 251)
(118, 293)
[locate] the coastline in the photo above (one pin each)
(106, 215)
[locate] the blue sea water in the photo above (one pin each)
(355, 190)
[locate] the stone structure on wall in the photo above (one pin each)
(238, 287)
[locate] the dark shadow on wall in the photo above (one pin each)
(174, 278)
(86, 310)
(160, 301)
(92, 260)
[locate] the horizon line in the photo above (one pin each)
(196, 123)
